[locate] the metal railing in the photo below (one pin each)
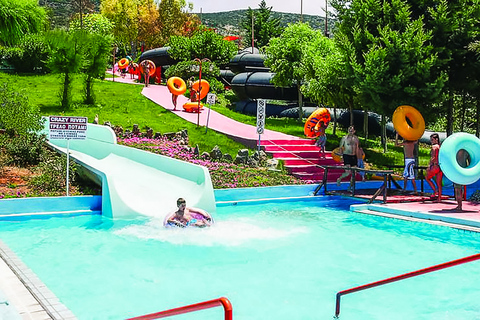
(227, 306)
(404, 276)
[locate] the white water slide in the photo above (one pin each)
(136, 182)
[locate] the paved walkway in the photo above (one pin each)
(244, 133)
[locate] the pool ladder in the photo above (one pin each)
(403, 276)
(227, 306)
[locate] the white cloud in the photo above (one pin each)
(312, 7)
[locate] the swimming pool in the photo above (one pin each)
(283, 260)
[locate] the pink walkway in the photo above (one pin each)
(238, 131)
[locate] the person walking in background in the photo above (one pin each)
(408, 172)
(349, 147)
(463, 159)
(193, 93)
(174, 101)
(434, 168)
(360, 163)
(322, 138)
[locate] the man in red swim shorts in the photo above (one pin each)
(434, 167)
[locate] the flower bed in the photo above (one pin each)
(223, 174)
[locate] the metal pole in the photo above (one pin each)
(301, 10)
(113, 66)
(259, 147)
(208, 117)
(253, 34)
(68, 163)
(199, 90)
(326, 18)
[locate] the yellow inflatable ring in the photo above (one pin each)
(176, 85)
(447, 158)
(337, 155)
(321, 114)
(192, 106)
(123, 63)
(152, 67)
(401, 125)
(205, 88)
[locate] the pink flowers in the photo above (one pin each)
(223, 174)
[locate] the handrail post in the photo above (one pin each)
(224, 302)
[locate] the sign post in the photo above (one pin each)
(261, 112)
(67, 128)
(210, 100)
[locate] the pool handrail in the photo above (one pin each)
(403, 276)
(227, 306)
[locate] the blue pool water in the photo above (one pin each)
(272, 261)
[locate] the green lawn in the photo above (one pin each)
(124, 105)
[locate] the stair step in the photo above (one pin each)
(288, 142)
(309, 161)
(294, 154)
(293, 148)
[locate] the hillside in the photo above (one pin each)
(228, 22)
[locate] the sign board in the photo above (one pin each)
(67, 128)
(211, 97)
(261, 112)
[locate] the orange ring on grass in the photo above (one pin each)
(176, 85)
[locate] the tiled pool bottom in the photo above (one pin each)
(28, 297)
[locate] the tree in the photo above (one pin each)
(325, 74)
(93, 23)
(18, 18)
(95, 61)
(285, 56)
(265, 27)
(174, 20)
(389, 55)
(82, 7)
(66, 57)
(203, 44)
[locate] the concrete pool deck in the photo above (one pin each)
(443, 213)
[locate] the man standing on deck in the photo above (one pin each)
(349, 147)
(408, 172)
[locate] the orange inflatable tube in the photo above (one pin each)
(176, 85)
(123, 63)
(151, 65)
(321, 114)
(192, 106)
(205, 88)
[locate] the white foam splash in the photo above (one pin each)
(224, 233)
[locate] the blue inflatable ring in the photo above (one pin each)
(448, 158)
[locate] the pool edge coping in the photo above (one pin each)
(429, 218)
(46, 304)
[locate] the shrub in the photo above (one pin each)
(52, 172)
(23, 150)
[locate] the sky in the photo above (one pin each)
(311, 7)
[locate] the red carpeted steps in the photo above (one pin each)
(301, 158)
